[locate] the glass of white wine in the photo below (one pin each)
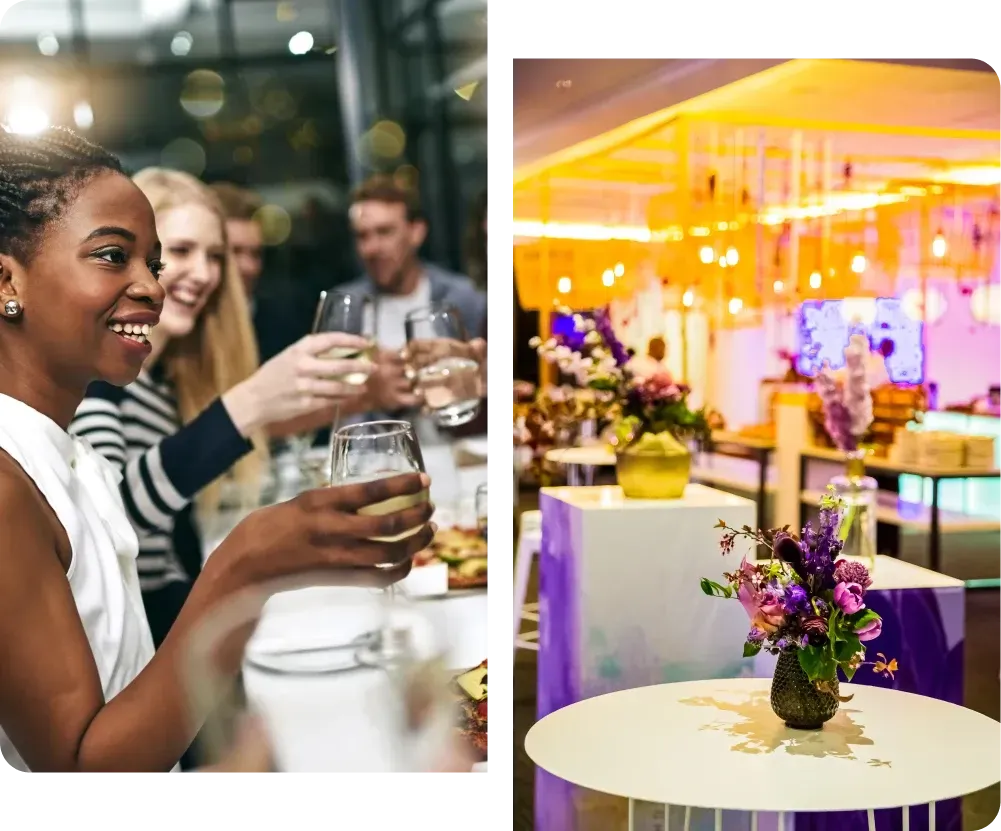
(377, 450)
(444, 370)
(352, 314)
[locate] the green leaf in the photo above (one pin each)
(847, 648)
(751, 648)
(848, 670)
(715, 589)
(817, 663)
(860, 619)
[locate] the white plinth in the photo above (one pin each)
(620, 587)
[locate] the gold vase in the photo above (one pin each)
(655, 466)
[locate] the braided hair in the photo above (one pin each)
(39, 176)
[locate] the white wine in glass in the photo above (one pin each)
(352, 314)
(377, 450)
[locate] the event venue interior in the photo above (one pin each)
(743, 289)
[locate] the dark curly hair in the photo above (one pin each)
(39, 176)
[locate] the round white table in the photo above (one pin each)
(717, 744)
(580, 462)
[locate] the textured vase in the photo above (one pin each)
(796, 699)
(655, 466)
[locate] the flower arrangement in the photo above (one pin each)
(639, 405)
(847, 404)
(805, 599)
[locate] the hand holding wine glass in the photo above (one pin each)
(446, 366)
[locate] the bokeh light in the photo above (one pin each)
(203, 93)
(184, 154)
(275, 224)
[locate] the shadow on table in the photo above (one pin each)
(761, 731)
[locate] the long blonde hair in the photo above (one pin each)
(221, 349)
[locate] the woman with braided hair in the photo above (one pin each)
(80, 686)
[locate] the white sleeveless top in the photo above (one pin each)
(81, 487)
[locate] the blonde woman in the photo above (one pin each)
(201, 407)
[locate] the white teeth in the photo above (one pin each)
(145, 328)
(128, 328)
(116, 327)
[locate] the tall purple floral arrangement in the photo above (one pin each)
(848, 404)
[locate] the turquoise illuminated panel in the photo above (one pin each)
(977, 497)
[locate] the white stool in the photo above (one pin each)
(529, 545)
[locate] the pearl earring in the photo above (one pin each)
(12, 308)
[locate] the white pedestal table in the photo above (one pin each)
(717, 745)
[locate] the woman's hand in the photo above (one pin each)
(296, 382)
(322, 531)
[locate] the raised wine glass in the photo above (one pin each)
(444, 370)
(377, 450)
(352, 314)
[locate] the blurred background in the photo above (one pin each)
(298, 100)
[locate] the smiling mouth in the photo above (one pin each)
(138, 332)
(185, 297)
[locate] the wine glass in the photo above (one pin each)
(334, 692)
(352, 314)
(443, 369)
(481, 510)
(377, 450)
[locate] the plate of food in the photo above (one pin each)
(471, 691)
(464, 552)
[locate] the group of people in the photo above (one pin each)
(130, 388)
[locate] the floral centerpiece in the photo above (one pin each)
(651, 416)
(806, 604)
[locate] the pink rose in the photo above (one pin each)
(848, 596)
(870, 631)
(764, 611)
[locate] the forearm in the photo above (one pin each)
(152, 722)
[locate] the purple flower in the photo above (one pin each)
(756, 635)
(847, 571)
(870, 631)
(848, 596)
(795, 598)
(787, 549)
(815, 629)
(603, 326)
(837, 418)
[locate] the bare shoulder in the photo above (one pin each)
(26, 520)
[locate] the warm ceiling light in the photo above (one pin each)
(732, 256)
(722, 261)
(583, 231)
(688, 298)
(620, 269)
(970, 175)
(563, 285)
(858, 263)
(300, 43)
(608, 278)
(706, 254)
(985, 304)
(938, 246)
(735, 305)
(777, 286)
(815, 280)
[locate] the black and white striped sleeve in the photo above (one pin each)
(162, 470)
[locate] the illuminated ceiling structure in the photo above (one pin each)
(803, 172)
